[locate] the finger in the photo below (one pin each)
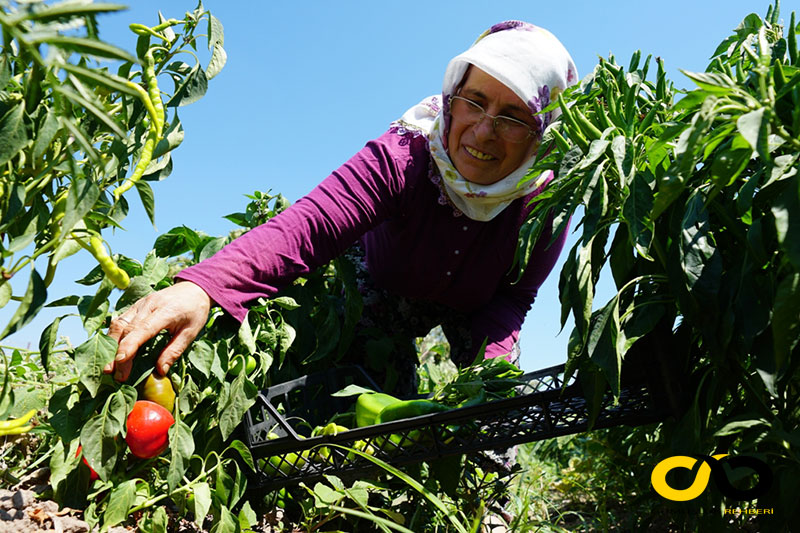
(123, 370)
(173, 350)
(121, 324)
(140, 332)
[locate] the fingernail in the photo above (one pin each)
(120, 357)
(164, 369)
(108, 368)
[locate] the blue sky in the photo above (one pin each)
(307, 84)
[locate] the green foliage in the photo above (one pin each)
(691, 199)
(72, 131)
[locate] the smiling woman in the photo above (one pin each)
(428, 213)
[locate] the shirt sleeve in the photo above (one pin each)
(317, 228)
(500, 320)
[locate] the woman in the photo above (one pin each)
(430, 212)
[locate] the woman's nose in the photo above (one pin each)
(484, 128)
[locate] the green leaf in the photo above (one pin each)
(181, 444)
(601, 344)
(226, 522)
(93, 108)
(244, 452)
(82, 45)
(247, 517)
(48, 340)
(192, 89)
(5, 292)
(90, 359)
(172, 139)
(148, 199)
(785, 325)
(100, 77)
(176, 241)
(700, 260)
(81, 198)
(66, 12)
(201, 356)
(202, 501)
(285, 302)
(155, 268)
(714, 83)
(32, 302)
(738, 426)
(636, 214)
(45, 134)
(13, 132)
(120, 502)
(218, 59)
(755, 128)
(242, 397)
(99, 435)
(786, 211)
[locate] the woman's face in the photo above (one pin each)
(476, 150)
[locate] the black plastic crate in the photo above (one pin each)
(543, 408)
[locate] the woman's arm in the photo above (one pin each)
(500, 321)
(319, 227)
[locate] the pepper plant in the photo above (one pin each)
(692, 199)
(77, 137)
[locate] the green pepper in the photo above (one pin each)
(409, 409)
(287, 464)
(369, 405)
(17, 426)
(115, 274)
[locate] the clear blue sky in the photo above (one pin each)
(308, 83)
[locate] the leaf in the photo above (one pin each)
(172, 139)
(247, 517)
(755, 128)
(5, 292)
(700, 260)
(786, 212)
(738, 426)
(181, 444)
(32, 302)
(226, 522)
(90, 359)
(47, 341)
(202, 501)
(99, 435)
(155, 268)
(242, 397)
(245, 336)
(201, 356)
(785, 325)
(244, 452)
(176, 241)
(92, 108)
(68, 11)
(81, 198)
(636, 214)
(13, 132)
(120, 502)
(85, 46)
(602, 346)
(218, 59)
(45, 134)
(285, 302)
(192, 89)
(148, 199)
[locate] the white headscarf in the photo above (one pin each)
(528, 60)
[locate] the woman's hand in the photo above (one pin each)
(181, 309)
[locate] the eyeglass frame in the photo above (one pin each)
(495, 118)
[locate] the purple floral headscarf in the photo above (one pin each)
(527, 59)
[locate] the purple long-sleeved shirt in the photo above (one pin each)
(414, 245)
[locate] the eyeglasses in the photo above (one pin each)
(507, 128)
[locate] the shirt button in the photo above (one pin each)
(449, 273)
(464, 228)
(457, 252)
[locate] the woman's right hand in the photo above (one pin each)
(181, 309)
